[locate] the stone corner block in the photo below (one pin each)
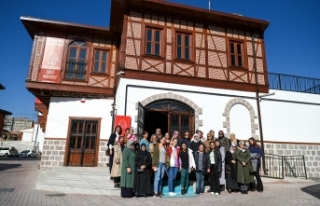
(199, 122)
(199, 110)
(136, 106)
(226, 124)
(136, 118)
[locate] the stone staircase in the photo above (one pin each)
(77, 180)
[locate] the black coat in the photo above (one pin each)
(142, 184)
(206, 162)
(111, 141)
(217, 158)
(194, 146)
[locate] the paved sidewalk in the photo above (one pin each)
(22, 175)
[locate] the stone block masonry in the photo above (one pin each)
(311, 154)
(54, 152)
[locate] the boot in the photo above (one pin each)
(183, 191)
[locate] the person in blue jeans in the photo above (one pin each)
(202, 167)
(159, 165)
(174, 163)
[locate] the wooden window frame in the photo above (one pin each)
(67, 56)
(161, 42)
(108, 62)
(236, 54)
(191, 46)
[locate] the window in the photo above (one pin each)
(184, 46)
(100, 61)
(236, 54)
(153, 41)
(76, 64)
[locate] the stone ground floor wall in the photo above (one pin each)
(54, 152)
(311, 153)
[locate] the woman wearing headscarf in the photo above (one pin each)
(222, 175)
(117, 160)
(142, 185)
(194, 145)
(112, 139)
(243, 163)
(128, 170)
(256, 153)
(231, 169)
(224, 141)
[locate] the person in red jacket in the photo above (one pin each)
(173, 163)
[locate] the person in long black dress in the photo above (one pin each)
(231, 169)
(142, 184)
(112, 139)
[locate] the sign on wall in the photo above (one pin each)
(52, 60)
(124, 122)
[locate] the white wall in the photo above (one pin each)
(291, 122)
(32, 135)
(27, 135)
(61, 109)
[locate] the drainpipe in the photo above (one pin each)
(258, 102)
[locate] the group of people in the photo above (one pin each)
(138, 167)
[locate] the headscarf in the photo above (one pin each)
(130, 142)
(220, 137)
(194, 139)
(143, 152)
(123, 142)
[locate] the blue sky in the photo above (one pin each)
(292, 43)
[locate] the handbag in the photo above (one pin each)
(139, 170)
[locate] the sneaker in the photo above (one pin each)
(174, 193)
(217, 194)
(211, 193)
(201, 193)
(156, 195)
(171, 194)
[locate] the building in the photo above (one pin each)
(35, 136)
(17, 123)
(3, 113)
(166, 65)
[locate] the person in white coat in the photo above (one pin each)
(187, 164)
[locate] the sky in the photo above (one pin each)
(292, 39)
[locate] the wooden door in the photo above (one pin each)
(83, 140)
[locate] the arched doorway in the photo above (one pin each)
(169, 115)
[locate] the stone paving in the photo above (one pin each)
(22, 175)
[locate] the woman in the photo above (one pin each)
(208, 141)
(174, 164)
(112, 139)
(168, 140)
(115, 172)
(158, 133)
(256, 153)
(215, 168)
(159, 161)
(224, 141)
(195, 143)
(233, 139)
(185, 139)
(128, 170)
(142, 185)
(145, 140)
(231, 169)
(202, 167)
(153, 143)
(243, 163)
(131, 135)
(187, 164)
(222, 174)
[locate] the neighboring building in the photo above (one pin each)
(170, 66)
(34, 135)
(17, 123)
(3, 113)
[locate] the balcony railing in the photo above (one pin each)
(294, 83)
(75, 71)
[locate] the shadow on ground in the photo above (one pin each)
(313, 190)
(8, 166)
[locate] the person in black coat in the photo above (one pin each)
(195, 143)
(202, 167)
(112, 139)
(215, 168)
(231, 169)
(142, 184)
(185, 139)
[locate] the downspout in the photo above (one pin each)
(258, 102)
(35, 40)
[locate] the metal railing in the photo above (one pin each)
(294, 83)
(284, 166)
(75, 71)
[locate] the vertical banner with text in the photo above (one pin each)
(52, 60)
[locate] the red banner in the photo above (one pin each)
(52, 60)
(124, 122)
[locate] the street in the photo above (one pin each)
(18, 179)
